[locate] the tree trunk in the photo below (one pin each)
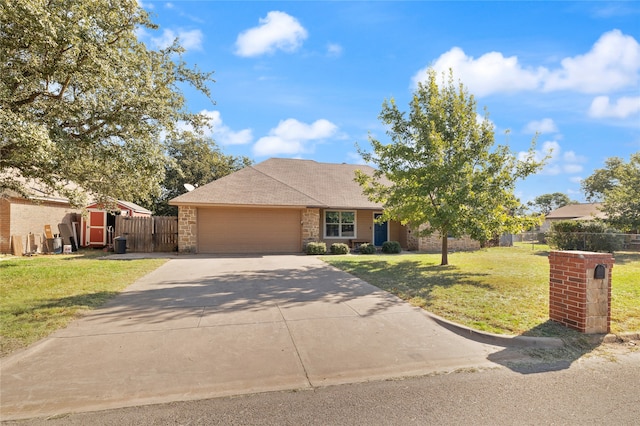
(445, 248)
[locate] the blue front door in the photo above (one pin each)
(379, 231)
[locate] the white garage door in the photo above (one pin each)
(249, 230)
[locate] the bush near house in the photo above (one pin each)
(367, 248)
(316, 248)
(391, 247)
(339, 248)
(592, 236)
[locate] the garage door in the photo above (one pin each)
(237, 230)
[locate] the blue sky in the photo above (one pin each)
(308, 79)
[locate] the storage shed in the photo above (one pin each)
(98, 224)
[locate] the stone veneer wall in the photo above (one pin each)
(434, 243)
(187, 229)
(577, 299)
(310, 226)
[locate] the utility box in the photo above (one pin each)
(120, 245)
(580, 290)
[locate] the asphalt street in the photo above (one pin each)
(596, 390)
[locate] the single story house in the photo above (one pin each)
(578, 211)
(20, 216)
(280, 205)
(98, 224)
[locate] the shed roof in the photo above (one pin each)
(287, 183)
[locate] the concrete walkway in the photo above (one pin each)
(202, 327)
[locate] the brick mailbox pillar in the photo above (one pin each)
(580, 290)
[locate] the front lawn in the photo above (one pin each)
(501, 290)
(39, 295)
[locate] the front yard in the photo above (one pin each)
(501, 290)
(39, 295)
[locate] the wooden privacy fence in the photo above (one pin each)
(149, 234)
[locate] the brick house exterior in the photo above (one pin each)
(280, 205)
(20, 216)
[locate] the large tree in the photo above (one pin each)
(546, 203)
(193, 159)
(441, 172)
(82, 100)
(617, 186)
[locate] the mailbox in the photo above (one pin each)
(599, 272)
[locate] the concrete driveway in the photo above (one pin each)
(202, 327)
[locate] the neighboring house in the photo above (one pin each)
(280, 205)
(98, 224)
(583, 211)
(20, 216)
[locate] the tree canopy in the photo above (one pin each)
(83, 100)
(195, 160)
(546, 203)
(441, 171)
(617, 186)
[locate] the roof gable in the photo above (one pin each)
(285, 182)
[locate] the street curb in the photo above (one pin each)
(498, 339)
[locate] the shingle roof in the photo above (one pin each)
(135, 207)
(578, 211)
(285, 182)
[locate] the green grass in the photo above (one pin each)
(41, 294)
(500, 290)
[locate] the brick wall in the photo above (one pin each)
(577, 299)
(5, 225)
(187, 229)
(20, 217)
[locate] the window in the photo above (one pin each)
(339, 224)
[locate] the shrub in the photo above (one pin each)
(391, 247)
(367, 248)
(588, 236)
(339, 248)
(316, 248)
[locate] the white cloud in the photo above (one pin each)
(572, 168)
(355, 158)
(190, 40)
(278, 31)
(624, 107)
(558, 162)
(222, 134)
(613, 63)
(488, 74)
(551, 148)
(291, 137)
(334, 50)
(546, 125)
(572, 157)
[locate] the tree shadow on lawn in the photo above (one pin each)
(408, 279)
(541, 356)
